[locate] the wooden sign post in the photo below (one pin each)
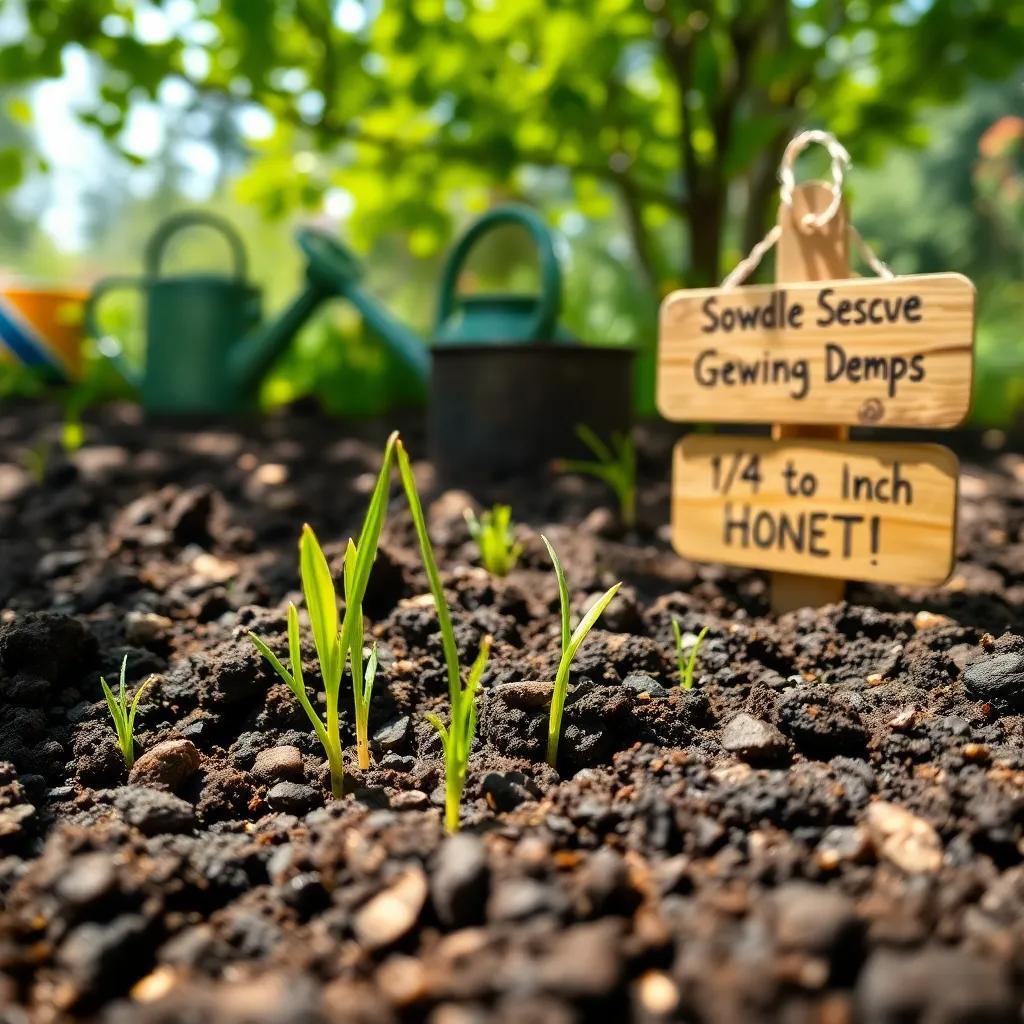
(814, 355)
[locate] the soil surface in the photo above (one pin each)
(828, 828)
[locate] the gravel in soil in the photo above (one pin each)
(828, 828)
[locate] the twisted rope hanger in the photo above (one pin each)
(840, 163)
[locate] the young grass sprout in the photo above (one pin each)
(571, 643)
(335, 645)
(687, 648)
(457, 738)
(614, 464)
(123, 715)
(493, 533)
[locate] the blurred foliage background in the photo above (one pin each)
(648, 132)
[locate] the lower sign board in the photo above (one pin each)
(874, 512)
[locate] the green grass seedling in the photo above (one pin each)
(686, 653)
(614, 464)
(571, 643)
(457, 737)
(493, 533)
(123, 714)
(335, 644)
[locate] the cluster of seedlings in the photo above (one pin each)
(339, 640)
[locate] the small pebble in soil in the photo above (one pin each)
(753, 739)
(390, 914)
(902, 838)
(167, 764)
(394, 735)
(504, 791)
(93, 953)
(143, 628)
(842, 844)
(998, 678)
(586, 960)
(87, 880)
(814, 919)
(293, 797)
(641, 682)
(410, 800)
(458, 886)
(519, 899)
(154, 812)
(940, 985)
(277, 763)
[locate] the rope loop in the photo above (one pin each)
(840, 164)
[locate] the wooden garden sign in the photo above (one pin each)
(819, 352)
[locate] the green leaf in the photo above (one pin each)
(442, 729)
(293, 684)
(121, 697)
(115, 709)
(370, 675)
(589, 620)
(562, 678)
(293, 679)
(444, 618)
(321, 604)
(563, 592)
(272, 658)
(135, 703)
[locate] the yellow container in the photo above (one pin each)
(42, 327)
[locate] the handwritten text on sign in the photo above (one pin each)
(894, 352)
(878, 512)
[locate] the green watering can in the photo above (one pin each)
(206, 348)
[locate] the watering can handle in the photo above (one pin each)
(549, 303)
(189, 219)
(107, 344)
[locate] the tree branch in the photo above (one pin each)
(472, 153)
(643, 244)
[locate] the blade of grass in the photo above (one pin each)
(563, 591)
(562, 678)
(321, 605)
(686, 680)
(451, 652)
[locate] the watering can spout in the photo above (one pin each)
(250, 361)
(332, 271)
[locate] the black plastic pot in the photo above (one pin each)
(502, 410)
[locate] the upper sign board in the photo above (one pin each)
(893, 352)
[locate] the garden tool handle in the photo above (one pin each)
(157, 243)
(109, 345)
(550, 300)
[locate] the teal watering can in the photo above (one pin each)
(206, 348)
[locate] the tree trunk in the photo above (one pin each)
(706, 213)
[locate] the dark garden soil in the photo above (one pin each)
(827, 829)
